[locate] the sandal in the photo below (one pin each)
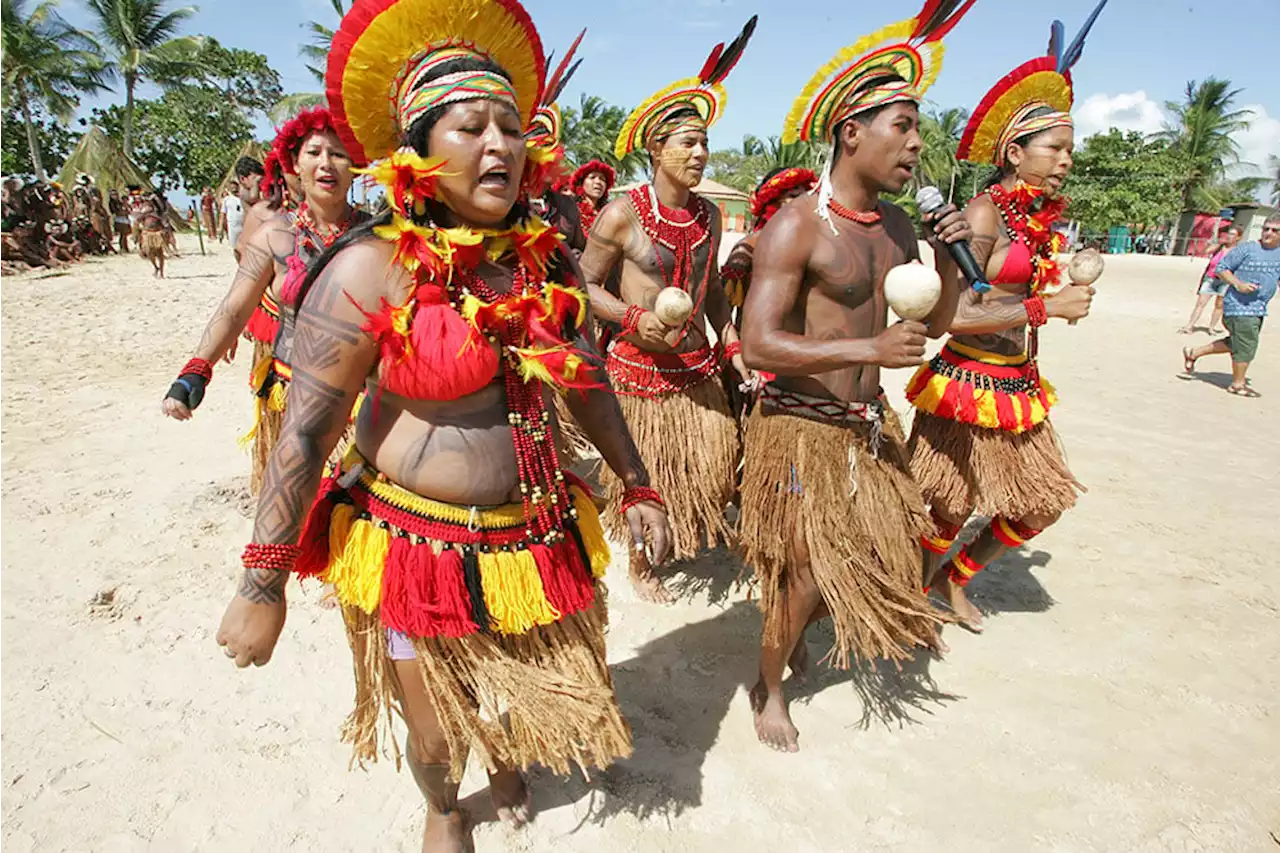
(1188, 363)
(1243, 391)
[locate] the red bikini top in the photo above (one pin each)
(1018, 267)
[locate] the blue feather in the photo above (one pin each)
(1057, 39)
(1071, 55)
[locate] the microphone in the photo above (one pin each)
(929, 199)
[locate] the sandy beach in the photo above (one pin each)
(1123, 697)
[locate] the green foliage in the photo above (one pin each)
(140, 41)
(1122, 178)
(53, 137)
(47, 65)
(744, 168)
(242, 76)
(187, 138)
(589, 133)
(1201, 132)
(316, 53)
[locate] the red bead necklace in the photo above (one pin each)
(869, 217)
(680, 232)
(309, 231)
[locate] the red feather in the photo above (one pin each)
(710, 64)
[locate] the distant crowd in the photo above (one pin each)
(45, 226)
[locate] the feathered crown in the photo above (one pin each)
(703, 94)
(382, 43)
(595, 166)
(910, 52)
(1004, 114)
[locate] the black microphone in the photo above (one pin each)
(929, 199)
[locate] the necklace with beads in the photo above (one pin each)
(868, 217)
(316, 238)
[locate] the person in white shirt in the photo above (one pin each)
(248, 175)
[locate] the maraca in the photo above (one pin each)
(673, 307)
(1085, 268)
(912, 290)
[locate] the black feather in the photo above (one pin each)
(731, 54)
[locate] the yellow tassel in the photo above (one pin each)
(279, 397)
(356, 561)
(340, 521)
(246, 440)
(592, 533)
(258, 375)
(513, 592)
(987, 415)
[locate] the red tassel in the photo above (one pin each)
(967, 410)
(564, 580)
(262, 326)
(950, 399)
(450, 606)
(397, 589)
(1004, 412)
(314, 542)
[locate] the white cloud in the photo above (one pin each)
(1127, 111)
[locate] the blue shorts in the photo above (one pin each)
(1212, 285)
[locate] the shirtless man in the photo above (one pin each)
(663, 235)
(831, 517)
(152, 236)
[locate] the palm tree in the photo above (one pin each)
(141, 42)
(316, 53)
(940, 132)
(589, 132)
(1275, 179)
(1201, 130)
(802, 155)
(46, 62)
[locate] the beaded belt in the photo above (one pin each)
(986, 371)
(841, 413)
(637, 372)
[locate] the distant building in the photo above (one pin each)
(1198, 229)
(734, 205)
(1249, 217)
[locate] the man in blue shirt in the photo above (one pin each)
(1252, 271)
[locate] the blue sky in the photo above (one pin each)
(1140, 53)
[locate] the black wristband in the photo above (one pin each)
(188, 389)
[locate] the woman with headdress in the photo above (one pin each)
(272, 257)
(590, 185)
(466, 561)
(981, 440)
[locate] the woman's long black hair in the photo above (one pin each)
(1008, 169)
(418, 136)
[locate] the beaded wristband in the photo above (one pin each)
(732, 349)
(279, 556)
(633, 495)
(631, 320)
(198, 367)
(1037, 314)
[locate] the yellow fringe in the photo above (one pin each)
(932, 392)
(513, 592)
(257, 376)
(279, 397)
(592, 533)
(357, 555)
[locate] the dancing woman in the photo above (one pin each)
(466, 561)
(981, 440)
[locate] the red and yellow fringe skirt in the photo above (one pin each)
(982, 440)
(508, 633)
(269, 382)
(264, 323)
(679, 417)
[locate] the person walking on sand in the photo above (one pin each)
(1251, 271)
(1212, 287)
(831, 517)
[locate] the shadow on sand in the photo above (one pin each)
(676, 693)
(1214, 377)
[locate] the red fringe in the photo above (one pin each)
(1004, 412)
(566, 582)
(262, 326)
(950, 399)
(968, 405)
(451, 609)
(314, 541)
(423, 594)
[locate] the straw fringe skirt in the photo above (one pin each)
(689, 443)
(964, 468)
(152, 244)
(863, 548)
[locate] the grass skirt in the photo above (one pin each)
(963, 468)
(152, 244)
(271, 394)
(864, 551)
(689, 443)
(508, 632)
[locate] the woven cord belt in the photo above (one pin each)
(841, 413)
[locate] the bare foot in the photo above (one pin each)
(445, 833)
(646, 584)
(967, 615)
(773, 721)
(799, 662)
(510, 798)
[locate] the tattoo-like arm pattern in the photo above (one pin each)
(253, 277)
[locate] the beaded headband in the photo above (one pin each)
(416, 97)
(1023, 123)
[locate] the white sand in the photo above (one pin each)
(1123, 697)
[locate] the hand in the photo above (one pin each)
(249, 631)
(751, 381)
(901, 345)
(176, 409)
(1071, 303)
(651, 330)
(946, 225)
(1246, 287)
(648, 523)
(230, 355)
